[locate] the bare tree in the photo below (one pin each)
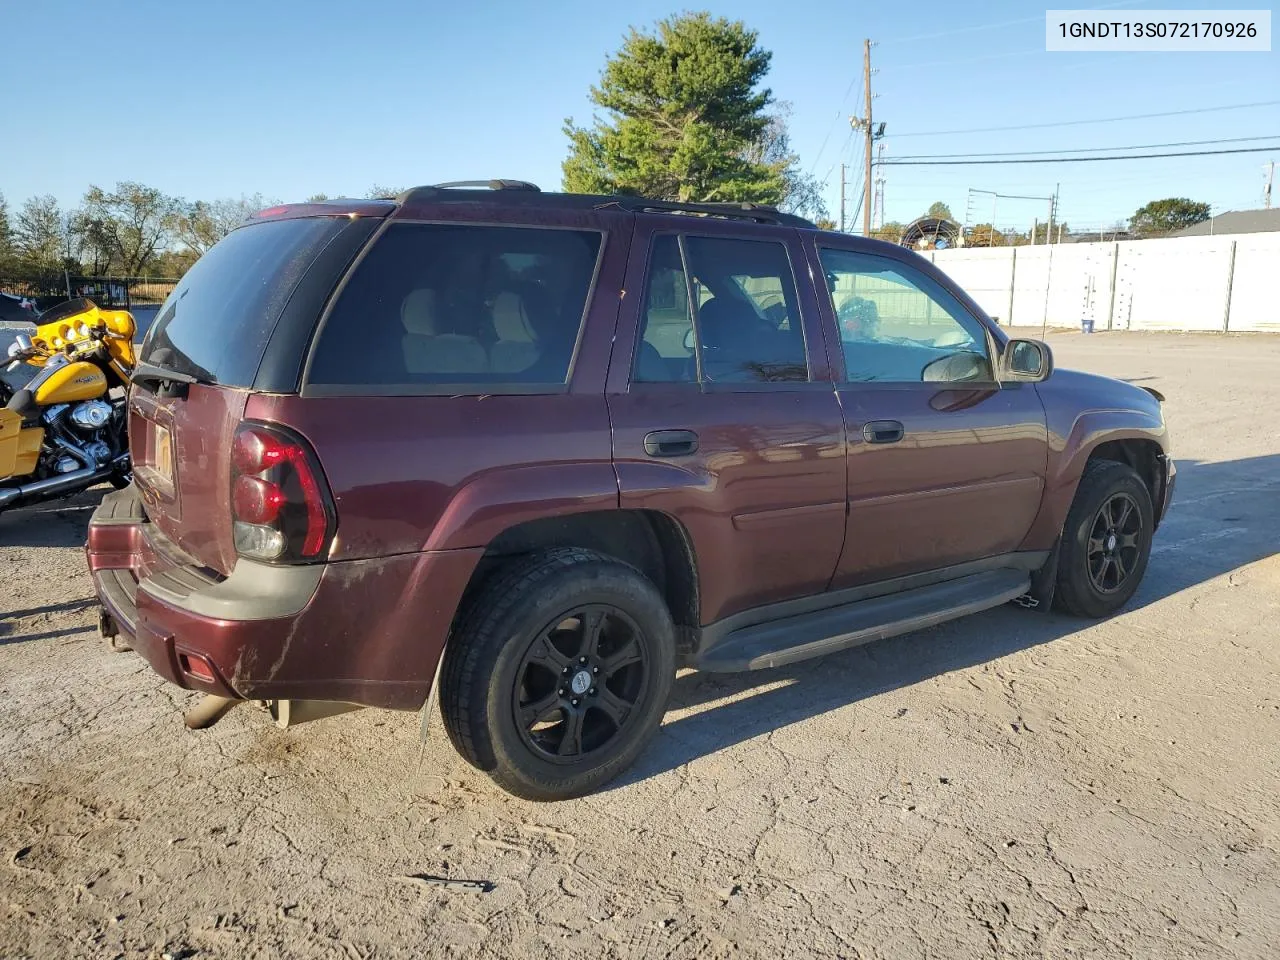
(201, 224)
(802, 193)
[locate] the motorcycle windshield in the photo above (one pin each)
(66, 310)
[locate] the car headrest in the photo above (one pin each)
(511, 319)
(418, 313)
(716, 322)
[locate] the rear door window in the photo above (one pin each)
(436, 307)
(747, 317)
(216, 322)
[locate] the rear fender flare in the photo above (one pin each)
(493, 502)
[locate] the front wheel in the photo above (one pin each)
(1106, 541)
(559, 673)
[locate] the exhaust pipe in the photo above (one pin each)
(52, 486)
(290, 713)
(208, 711)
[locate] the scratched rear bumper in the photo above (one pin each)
(366, 631)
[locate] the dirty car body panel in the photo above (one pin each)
(331, 455)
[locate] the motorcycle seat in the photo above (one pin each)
(23, 402)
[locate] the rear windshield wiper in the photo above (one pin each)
(173, 383)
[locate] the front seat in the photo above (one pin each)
(427, 351)
(724, 350)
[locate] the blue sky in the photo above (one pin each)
(289, 98)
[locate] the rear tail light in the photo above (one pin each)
(281, 509)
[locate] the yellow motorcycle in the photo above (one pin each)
(65, 430)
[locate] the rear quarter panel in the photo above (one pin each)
(440, 473)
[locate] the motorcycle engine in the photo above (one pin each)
(79, 430)
(91, 414)
(99, 451)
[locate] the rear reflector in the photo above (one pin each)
(196, 666)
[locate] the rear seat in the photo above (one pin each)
(517, 346)
(428, 351)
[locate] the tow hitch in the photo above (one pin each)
(109, 632)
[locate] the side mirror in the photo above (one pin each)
(1026, 361)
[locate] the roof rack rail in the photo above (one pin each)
(424, 192)
(523, 193)
(756, 212)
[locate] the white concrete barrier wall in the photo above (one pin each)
(1184, 283)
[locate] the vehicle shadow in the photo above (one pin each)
(6, 638)
(54, 523)
(1225, 516)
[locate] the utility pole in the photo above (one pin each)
(842, 198)
(1266, 190)
(871, 134)
(877, 211)
(866, 192)
(1053, 210)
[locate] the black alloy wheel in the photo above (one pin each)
(557, 673)
(579, 683)
(1106, 541)
(1113, 543)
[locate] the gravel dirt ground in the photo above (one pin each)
(1011, 785)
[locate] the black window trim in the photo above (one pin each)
(495, 388)
(843, 381)
(716, 386)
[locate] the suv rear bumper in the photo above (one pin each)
(362, 631)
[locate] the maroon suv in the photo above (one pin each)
(548, 448)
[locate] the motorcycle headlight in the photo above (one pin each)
(57, 343)
(83, 330)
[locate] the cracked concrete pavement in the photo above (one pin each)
(1010, 785)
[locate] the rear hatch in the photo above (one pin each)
(256, 293)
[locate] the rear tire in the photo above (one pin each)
(1106, 541)
(559, 673)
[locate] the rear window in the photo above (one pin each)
(448, 305)
(216, 323)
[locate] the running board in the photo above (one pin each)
(800, 637)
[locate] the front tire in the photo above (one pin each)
(1106, 541)
(559, 673)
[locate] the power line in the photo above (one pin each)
(839, 158)
(1127, 156)
(831, 129)
(1133, 146)
(966, 60)
(1076, 123)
